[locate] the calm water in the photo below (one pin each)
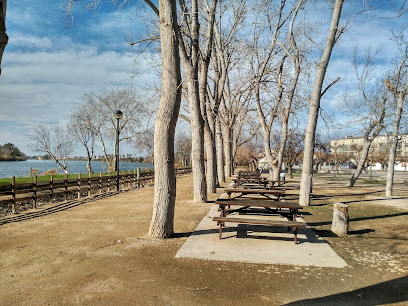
(9, 169)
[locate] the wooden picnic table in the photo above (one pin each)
(254, 191)
(265, 183)
(283, 208)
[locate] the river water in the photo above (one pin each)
(22, 168)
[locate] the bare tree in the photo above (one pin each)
(54, 141)
(3, 36)
(183, 148)
(99, 109)
(372, 112)
(399, 88)
(314, 105)
(80, 128)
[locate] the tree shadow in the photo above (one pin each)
(360, 219)
(392, 291)
(329, 233)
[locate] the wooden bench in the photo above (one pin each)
(293, 224)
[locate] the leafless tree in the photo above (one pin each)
(99, 109)
(3, 36)
(370, 114)
(80, 128)
(183, 148)
(314, 104)
(54, 141)
(397, 84)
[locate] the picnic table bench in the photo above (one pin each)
(291, 209)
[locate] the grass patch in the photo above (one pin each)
(47, 178)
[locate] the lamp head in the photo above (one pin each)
(118, 114)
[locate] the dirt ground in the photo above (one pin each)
(98, 253)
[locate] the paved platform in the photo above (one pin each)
(258, 244)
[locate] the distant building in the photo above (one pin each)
(379, 150)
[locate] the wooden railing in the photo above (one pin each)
(61, 190)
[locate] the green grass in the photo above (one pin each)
(56, 177)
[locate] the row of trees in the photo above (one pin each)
(258, 45)
(93, 123)
(226, 59)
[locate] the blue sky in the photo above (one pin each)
(47, 67)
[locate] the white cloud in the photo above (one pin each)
(44, 86)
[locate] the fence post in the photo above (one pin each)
(13, 194)
(89, 184)
(35, 192)
(108, 181)
(134, 178)
(129, 179)
(100, 182)
(79, 185)
(123, 181)
(138, 177)
(52, 187)
(66, 187)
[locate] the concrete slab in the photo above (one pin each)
(258, 244)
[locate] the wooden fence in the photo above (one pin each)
(60, 190)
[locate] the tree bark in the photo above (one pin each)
(162, 223)
(190, 60)
(394, 143)
(3, 36)
(220, 152)
(228, 139)
(307, 166)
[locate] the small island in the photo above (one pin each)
(9, 152)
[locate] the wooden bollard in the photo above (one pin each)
(340, 225)
(138, 177)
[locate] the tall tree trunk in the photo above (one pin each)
(89, 159)
(265, 127)
(228, 139)
(220, 151)
(197, 141)
(209, 125)
(190, 59)
(211, 169)
(394, 143)
(161, 225)
(307, 168)
(3, 36)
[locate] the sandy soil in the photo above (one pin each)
(98, 253)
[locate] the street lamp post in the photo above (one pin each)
(118, 115)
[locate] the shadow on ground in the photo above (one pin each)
(393, 291)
